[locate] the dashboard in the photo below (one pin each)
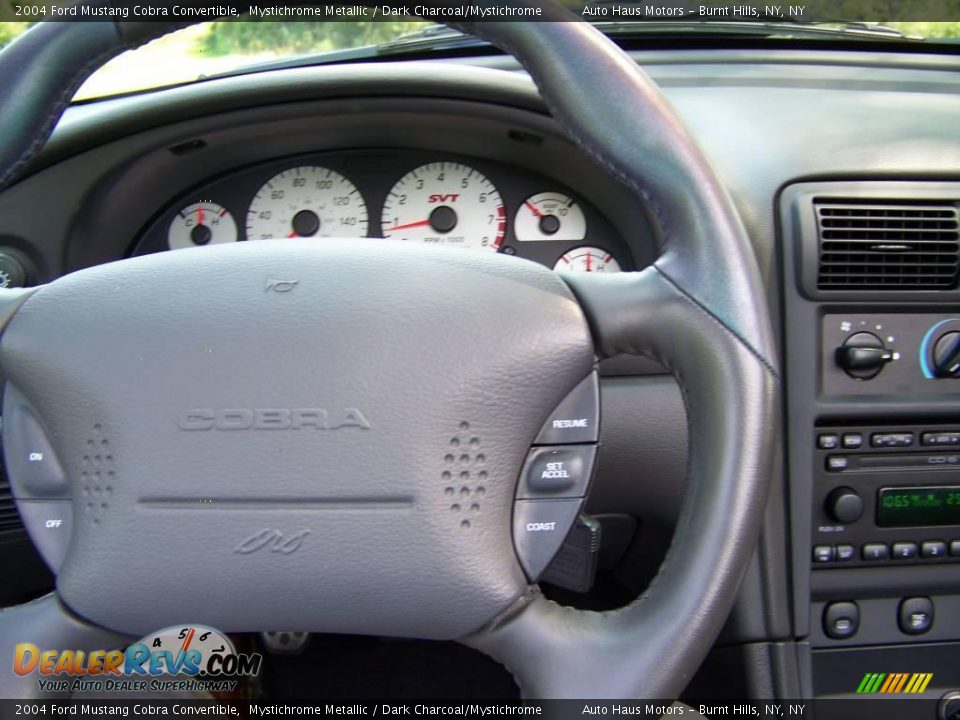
(396, 195)
(448, 155)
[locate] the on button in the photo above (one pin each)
(35, 472)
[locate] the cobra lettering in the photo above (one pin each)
(271, 419)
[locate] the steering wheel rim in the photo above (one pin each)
(699, 309)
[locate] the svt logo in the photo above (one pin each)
(451, 198)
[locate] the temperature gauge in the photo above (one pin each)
(587, 259)
(550, 216)
(202, 223)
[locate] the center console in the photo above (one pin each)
(872, 364)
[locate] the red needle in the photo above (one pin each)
(200, 215)
(418, 223)
(292, 235)
(589, 258)
(533, 209)
(186, 640)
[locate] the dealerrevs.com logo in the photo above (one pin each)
(179, 658)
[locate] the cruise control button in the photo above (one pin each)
(557, 472)
(916, 615)
(576, 418)
(34, 470)
(49, 523)
(539, 529)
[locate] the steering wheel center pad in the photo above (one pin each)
(293, 435)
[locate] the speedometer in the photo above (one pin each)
(446, 203)
(307, 201)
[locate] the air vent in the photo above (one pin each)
(890, 245)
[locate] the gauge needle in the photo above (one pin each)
(533, 209)
(186, 640)
(418, 223)
(292, 235)
(589, 258)
(200, 215)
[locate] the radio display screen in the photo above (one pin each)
(918, 506)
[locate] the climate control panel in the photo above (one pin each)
(890, 354)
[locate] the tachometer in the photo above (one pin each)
(203, 223)
(446, 203)
(550, 216)
(587, 259)
(307, 201)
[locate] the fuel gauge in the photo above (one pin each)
(550, 216)
(203, 223)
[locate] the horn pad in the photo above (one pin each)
(320, 436)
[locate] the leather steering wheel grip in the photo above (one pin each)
(700, 309)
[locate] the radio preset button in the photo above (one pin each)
(933, 549)
(940, 439)
(888, 440)
(875, 551)
(955, 548)
(904, 550)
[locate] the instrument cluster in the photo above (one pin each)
(404, 195)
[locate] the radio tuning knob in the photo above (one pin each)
(946, 355)
(863, 355)
(844, 505)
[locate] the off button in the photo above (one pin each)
(557, 472)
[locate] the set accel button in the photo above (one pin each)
(557, 472)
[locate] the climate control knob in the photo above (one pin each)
(844, 505)
(946, 355)
(863, 355)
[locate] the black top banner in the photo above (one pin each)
(799, 11)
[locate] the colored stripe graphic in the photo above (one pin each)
(894, 683)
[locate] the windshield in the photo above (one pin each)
(216, 48)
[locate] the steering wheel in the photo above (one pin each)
(282, 435)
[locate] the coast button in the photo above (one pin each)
(539, 529)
